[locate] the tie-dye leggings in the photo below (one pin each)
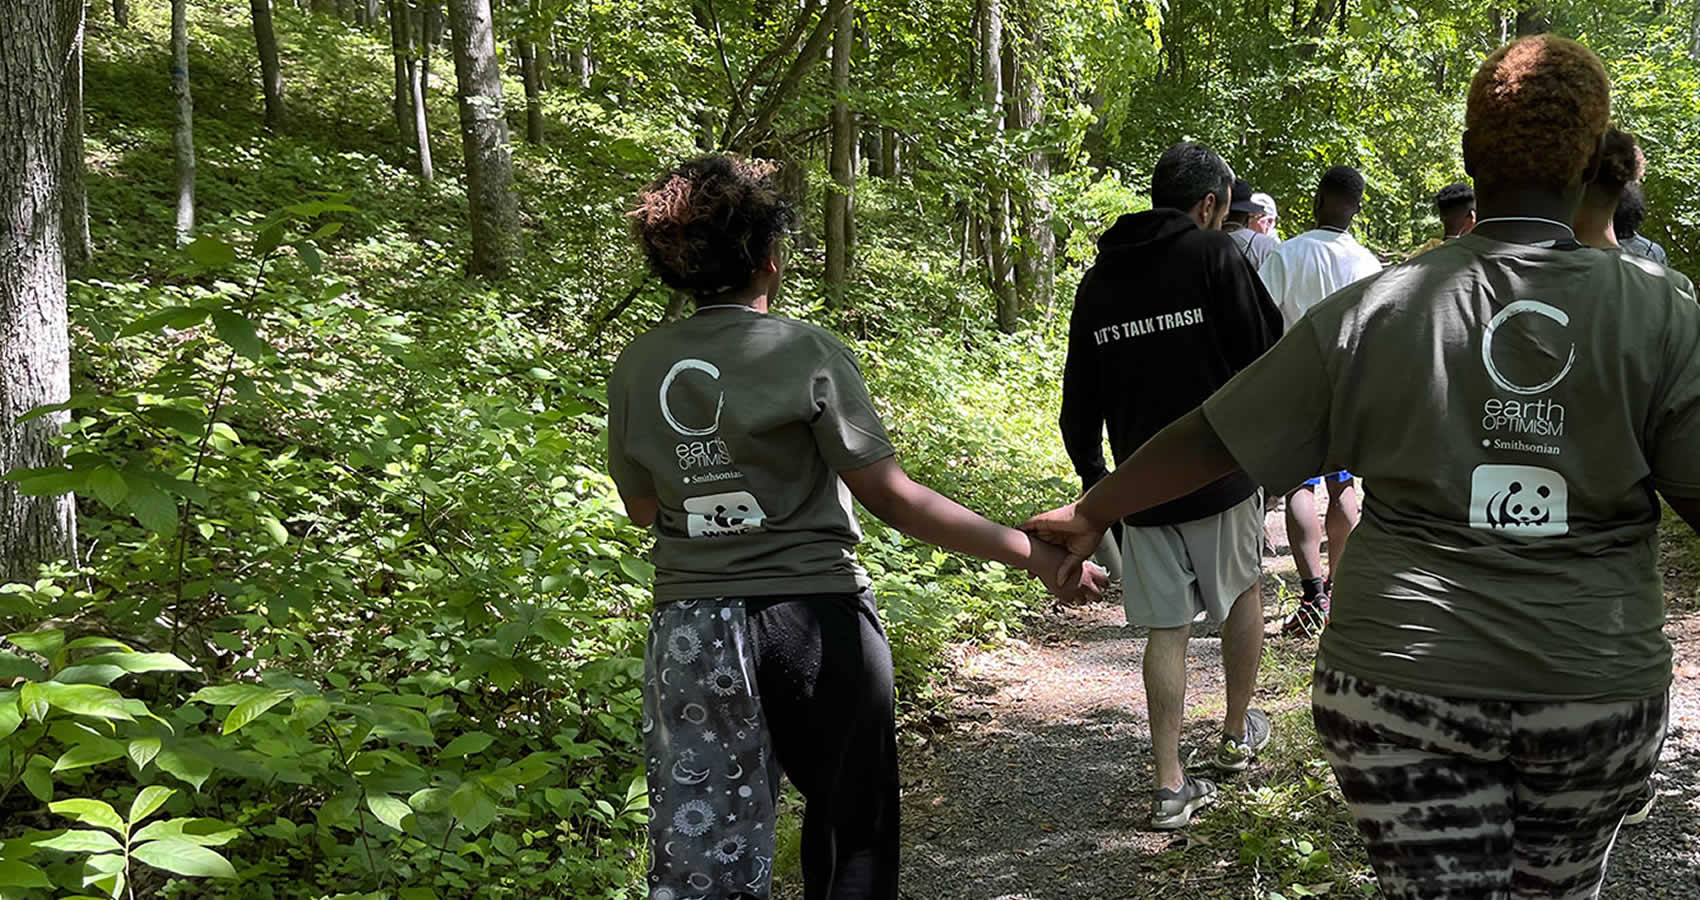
(1485, 800)
(738, 690)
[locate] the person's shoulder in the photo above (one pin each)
(1645, 275)
(806, 333)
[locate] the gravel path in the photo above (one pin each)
(1036, 784)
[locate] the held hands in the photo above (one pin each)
(1078, 537)
(1068, 579)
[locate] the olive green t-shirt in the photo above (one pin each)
(738, 422)
(1511, 410)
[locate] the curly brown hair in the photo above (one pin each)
(1621, 160)
(707, 224)
(1536, 110)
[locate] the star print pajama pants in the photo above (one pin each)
(1485, 800)
(739, 690)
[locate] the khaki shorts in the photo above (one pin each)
(1172, 573)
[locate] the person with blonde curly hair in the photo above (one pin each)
(1492, 691)
(740, 437)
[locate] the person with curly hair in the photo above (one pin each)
(1619, 174)
(1455, 204)
(1631, 212)
(739, 437)
(1492, 691)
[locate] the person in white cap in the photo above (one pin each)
(1245, 224)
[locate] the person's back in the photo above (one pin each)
(1310, 266)
(1631, 214)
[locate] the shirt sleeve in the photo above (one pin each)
(1082, 418)
(846, 426)
(629, 475)
(1254, 324)
(1274, 415)
(1674, 454)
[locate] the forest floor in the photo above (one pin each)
(1034, 781)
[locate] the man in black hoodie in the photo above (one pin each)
(1169, 313)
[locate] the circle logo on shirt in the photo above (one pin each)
(679, 368)
(1510, 312)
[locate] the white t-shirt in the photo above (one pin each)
(1302, 271)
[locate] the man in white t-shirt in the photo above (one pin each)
(1299, 274)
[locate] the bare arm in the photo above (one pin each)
(641, 510)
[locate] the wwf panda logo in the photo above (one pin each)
(1521, 501)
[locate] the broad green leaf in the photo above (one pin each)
(11, 714)
(231, 694)
(269, 239)
(467, 744)
(389, 810)
(153, 508)
(14, 666)
(108, 486)
(81, 841)
(148, 802)
(97, 643)
(251, 709)
(92, 750)
(85, 700)
(89, 812)
(185, 422)
(309, 256)
(308, 713)
(143, 750)
(38, 778)
(185, 764)
(205, 832)
(472, 807)
(211, 252)
(17, 874)
(237, 330)
(637, 569)
(45, 642)
(178, 317)
(274, 528)
(140, 662)
(430, 800)
(80, 674)
(184, 858)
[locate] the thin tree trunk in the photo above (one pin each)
(74, 182)
(183, 134)
(401, 52)
(997, 208)
(419, 82)
(760, 125)
(484, 135)
(1034, 275)
(893, 156)
(344, 10)
(271, 72)
(35, 351)
(121, 13)
(322, 6)
(1694, 42)
(374, 13)
(528, 71)
(840, 165)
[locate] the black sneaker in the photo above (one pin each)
(1172, 809)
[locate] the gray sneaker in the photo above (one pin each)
(1173, 809)
(1235, 755)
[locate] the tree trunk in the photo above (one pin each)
(893, 155)
(35, 350)
(1036, 262)
(533, 91)
(121, 13)
(1694, 41)
(344, 10)
(839, 165)
(374, 13)
(271, 73)
(579, 65)
(322, 6)
(401, 51)
(1531, 20)
(183, 134)
(74, 224)
(997, 207)
(484, 135)
(419, 82)
(760, 126)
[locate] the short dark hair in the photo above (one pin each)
(1454, 198)
(707, 224)
(1343, 182)
(1631, 212)
(1535, 113)
(1186, 174)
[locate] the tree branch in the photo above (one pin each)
(752, 134)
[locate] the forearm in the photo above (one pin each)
(926, 515)
(1180, 459)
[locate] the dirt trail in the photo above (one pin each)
(1037, 785)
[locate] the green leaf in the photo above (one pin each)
(185, 764)
(108, 486)
(269, 239)
(205, 832)
(184, 858)
(38, 778)
(101, 675)
(232, 694)
(467, 744)
(97, 643)
(81, 841)
(237, 330)
(139, 662)
(211, 252)
(153, 509)
(45, 642)
(89, 812)
(251, 709)
(637, 569)
(472, 807)
(309, 256)
(11, 714)
(148, 802)
(177, 317)
(92, 750)
(16, 874)
(14, 666)
(389, 810)
(430, 800)
(142, 751)
(86, 700)
(185, 422)
(274, 528)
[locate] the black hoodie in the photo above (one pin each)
(1167, 314)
